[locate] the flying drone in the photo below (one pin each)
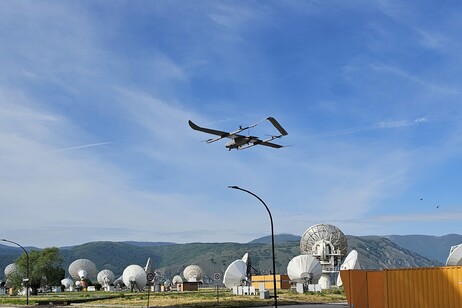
(241, 142)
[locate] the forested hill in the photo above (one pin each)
(170, 259)
(433, 247)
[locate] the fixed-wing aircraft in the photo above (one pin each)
(241, 142)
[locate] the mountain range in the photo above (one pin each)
(375, 252)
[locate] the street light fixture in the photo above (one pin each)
(27, 278)
(272, 239)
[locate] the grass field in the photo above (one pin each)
(201, 298)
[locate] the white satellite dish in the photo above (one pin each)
(351, 262)
(323, 241)
(304, 268)
(328, 244)
(105, 277)
(82, 269)
(134, 276)
(177, 279)
(235, 274)
(455, 256)
(67, 282)
(193, 273)
(10, 269)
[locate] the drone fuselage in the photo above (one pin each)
(237, 142)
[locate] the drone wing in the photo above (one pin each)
(270, 144)
(219, 133)
(278, 126)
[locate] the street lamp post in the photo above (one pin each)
(272, 239)
(27, 278)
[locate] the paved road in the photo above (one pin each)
(337, 305)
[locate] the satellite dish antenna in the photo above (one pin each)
(105, 278)
(304, 269)
(67, 283)
(455, 256)
(351, 262)
(82, 269)
(10, 269)
(177, 279)
(235, 274)
(193, 273)
(134, 276)
(328, 244)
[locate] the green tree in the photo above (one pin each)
(44, 269)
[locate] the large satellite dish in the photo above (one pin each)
(105, 277)
(193, 273)
(455, 256)
(351, 262)
(235, 274)
(323, 239)
(134, 276)
(82, 269)
(304, 268)
(328, 244)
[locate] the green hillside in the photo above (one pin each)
(433, 247)
(374, 253)
(170, 259)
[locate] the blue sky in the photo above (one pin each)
(95, 97)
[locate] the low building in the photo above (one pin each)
(282, 281)
(188, 286)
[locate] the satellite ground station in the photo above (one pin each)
(304, 271)
(82, 269)
(105, 279)
(193, 273)
(238, 276)
(328, 245)
(134, 277)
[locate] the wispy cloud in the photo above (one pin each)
(415, 79)
(83, 146)
(378, 126)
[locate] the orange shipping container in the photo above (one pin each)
(432, 287)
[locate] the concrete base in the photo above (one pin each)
(324, 281)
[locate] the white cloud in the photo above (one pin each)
(415, 79)
(377, 126)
